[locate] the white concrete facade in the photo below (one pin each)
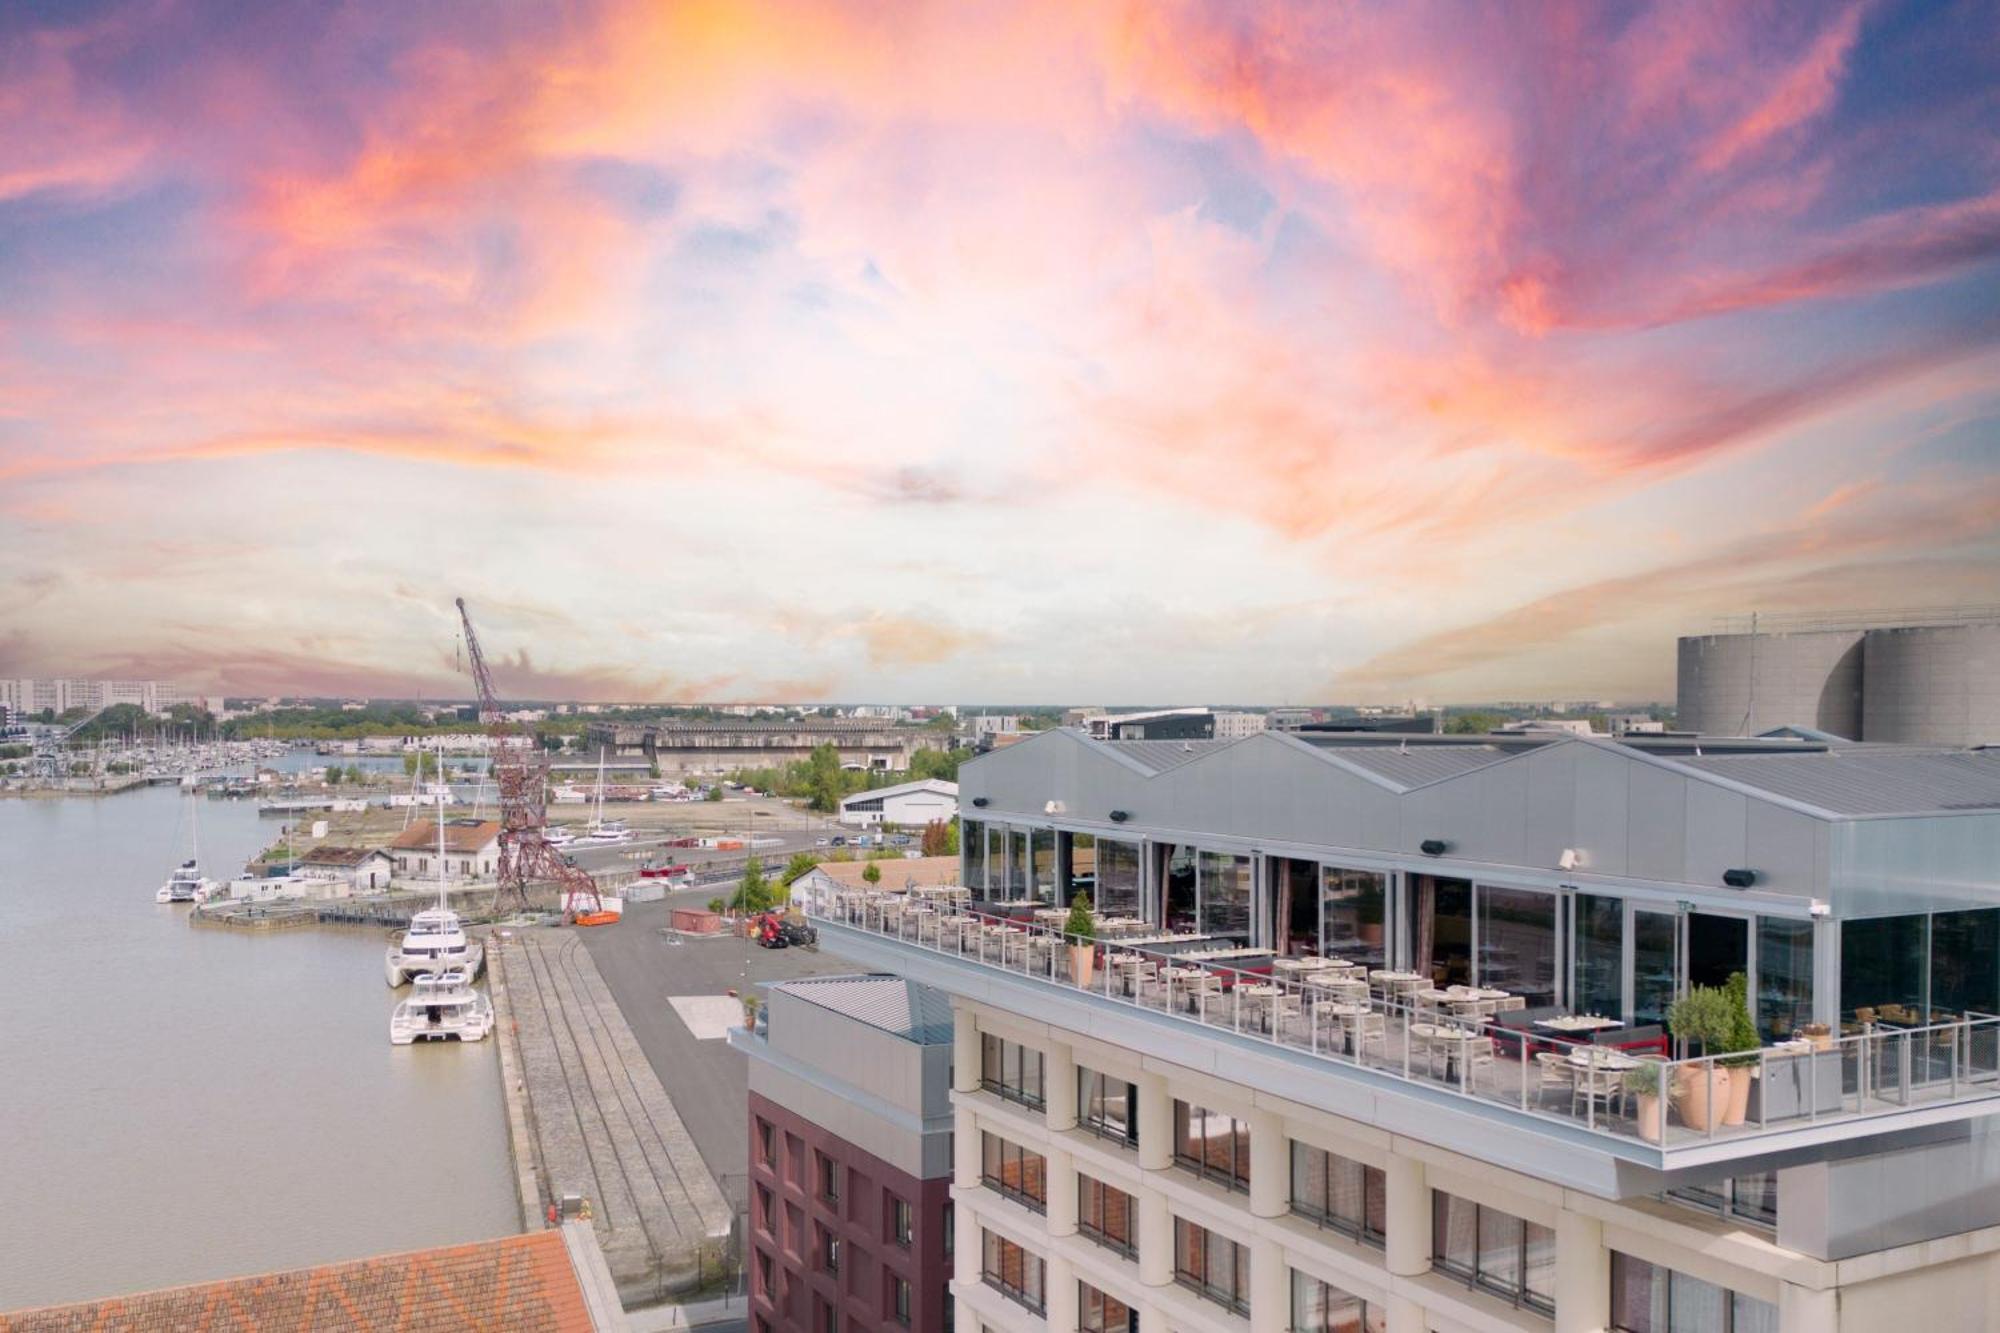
(1935, 1286)
(908, 805)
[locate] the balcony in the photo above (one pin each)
(1415, 1057)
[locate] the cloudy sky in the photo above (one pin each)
(1122, 351)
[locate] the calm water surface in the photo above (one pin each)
(178, 1105)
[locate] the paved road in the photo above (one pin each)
(707, 1079)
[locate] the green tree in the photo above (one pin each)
(423, 763)
(754, 893)
(802, 863)
(941, 764)
(1474, 723)
(334, 775)
(714, 793)
(356, 775)
(872, 872)
(940, 838)
(825, 784)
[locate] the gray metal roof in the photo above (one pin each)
(1159, 756)
(902, 1008)
(1415, 765)
(1857, 780)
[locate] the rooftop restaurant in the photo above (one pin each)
(1686, 948)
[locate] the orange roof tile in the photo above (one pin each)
(517, 1284)
(464, 836)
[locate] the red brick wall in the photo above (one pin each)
(787, 1244)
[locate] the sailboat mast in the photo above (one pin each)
(442, 900)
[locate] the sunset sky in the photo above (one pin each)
(1061, 352)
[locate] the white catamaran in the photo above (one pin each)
(436, 940)
(185, 883)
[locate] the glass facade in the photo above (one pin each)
(1099, 1313)
(1212, 1265)
(1014, 1272)
(1353, 914)
(1882, 966)
(1441, 929)
(1107, 1107)
(1517, 942)
(1656, 960)
(1010, 1070)
(1646, 1298)
(972, 855)
(1104, 1214)
(1013, 1171)
(1041, 863)
(1600, 955)
(1965, 964)
(1319, 1307)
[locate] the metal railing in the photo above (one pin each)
(1535, 1072)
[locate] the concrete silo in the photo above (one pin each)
(1932, 685)
(1744, 684)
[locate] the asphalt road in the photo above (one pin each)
(707, 1079)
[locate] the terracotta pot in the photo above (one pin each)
(1649, 1117)
(1700, 1095)
(1082, 963)
(1738, 1108)
(1369, 932)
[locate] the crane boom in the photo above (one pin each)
(520, 771)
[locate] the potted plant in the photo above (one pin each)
(1700, 1019)
(1742, 1038)
(1081, 931)
(1645, 1083)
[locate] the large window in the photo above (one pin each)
(1320, 1307)
(1011, 1070)
(1212, 1265)
(1016, 1273)
(1006, 863)
(1965, 964)
(1099, 1313)
(1784, 976)
(1078, 865)
(1212, 1145)
(1104, 1214)
(1495, 1251)
(1882, 964)
(1339, 1193)
(1600, 955)
(1646, 1298)
(1118, 878)
(1107, 1106)
(1013, 1171)
(1353, 907)
(1041, 853)
(1225, 895)
(1517, 943)
(1752, 1198)
(1179, 876)
(972, 855)
(1442, 922)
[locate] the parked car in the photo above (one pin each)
(901, 840)
(839, 840)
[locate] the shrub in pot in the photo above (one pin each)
(1700, 1019)
(1081, 930)
(1646, 1084)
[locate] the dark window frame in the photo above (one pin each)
(1730, 1310)
(1093, 1231)
(997, 1148)
(1037, 1300)
(1091, 1087)
(1003, 1067)
(1235, 1174)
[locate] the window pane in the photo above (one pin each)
(1352, 904)
(1965, 964)
(1600, 936)
(1882, 969)
(1454, 1240)
(972, 850)
(1539, 1277)
(1042, 864)
(1696, 1306)
(1309, 1179)
(1756, 1198)
(1118, 878)
(1499, 1249)
(1517, 943)
(1225, 895)
(1784, 975)
(1752, 1315)
(1638, 1299)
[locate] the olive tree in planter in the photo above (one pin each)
(1081, 931)
(1742, 1039)
(1646, 1083)
(1700, 1019)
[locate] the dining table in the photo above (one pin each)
(1576, 1024)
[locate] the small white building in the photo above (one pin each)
(471, 849)
(910, 805)
(347, 870)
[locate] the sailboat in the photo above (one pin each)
(436, 941)
(600, 830)
(185, 883)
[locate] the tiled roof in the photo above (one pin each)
(339, 856)
(916, 1013)
(518, 1284)
(460, 835)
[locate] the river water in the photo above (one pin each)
(178, 1105)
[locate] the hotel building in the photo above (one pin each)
(1180, 1128)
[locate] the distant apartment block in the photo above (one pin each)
(850, 1157)
(60, 694)
(1235, 726)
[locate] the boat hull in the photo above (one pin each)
(399, 969)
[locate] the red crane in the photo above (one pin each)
(521, 771)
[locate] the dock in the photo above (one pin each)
(589, 1117)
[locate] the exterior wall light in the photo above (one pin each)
(1739, 879)
(1120, 816)
(979, 801)
(1433, 846)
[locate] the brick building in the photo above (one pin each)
(850, 1157)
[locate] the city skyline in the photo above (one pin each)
(723, 351)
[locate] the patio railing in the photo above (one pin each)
(1373, 1020)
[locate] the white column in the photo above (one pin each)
(1808, 1309)
(1156, 1124)
(964, 1050)
(965, 1148)
(1059, 1086)
(967, 1246)
(1408, 1243)
(1270, 1169)
(1270, 1286)
(1156, 1239)
(1062, 1192)
(963, 1315)
(1059, 1294)
(1583, 1274)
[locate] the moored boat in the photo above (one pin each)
(442, 1006)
